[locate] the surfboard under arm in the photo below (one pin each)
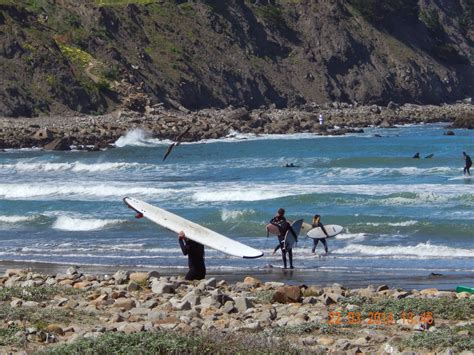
(192, 230)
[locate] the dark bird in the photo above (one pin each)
(175, 144)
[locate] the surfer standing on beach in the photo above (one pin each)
(317, 224)
(283, 226)
(195, 253)
(468, 165)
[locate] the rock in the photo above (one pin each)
(229, 307)
(42, 134)
(55, 329)
(400, 294)
(252, 281)
(287, 294)
(325, 341)
(60, 144)
(133, 286)
(124, 303)
(382, 288)
(16, 303)
(72, 270)
(330, 298)
(121, 277)
(463, 295)
(312, 291)
(242, 304)
(161, 287)
(192, 298)
(30, 304)
(139, 277)
(208, 283)
(129, 328)
(385, 124)
(13, 272)
(449, 133)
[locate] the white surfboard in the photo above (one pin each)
(192, 230)
(332, 229)
(305, 228)
(289, 237)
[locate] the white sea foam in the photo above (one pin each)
(403, 171)
(393, 224)
(78, 224)
(74, 166)
(138, 138)
(15, 219)
(230, 215)
(421, 250)
(77, 191)
(352, 236)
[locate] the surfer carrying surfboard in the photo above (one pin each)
(315, 224)
(468, 165)
(195, 253)
(283, 226)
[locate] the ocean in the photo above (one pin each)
(403, 217)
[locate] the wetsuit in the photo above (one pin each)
(195, 253)
(283, 227)
(322, 240)
(468, 164)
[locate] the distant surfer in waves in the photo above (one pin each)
(317, 224)
(416, 156)
(468, 165)
(283, 226)
(195, 253)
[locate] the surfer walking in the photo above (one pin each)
(195, 253)
(283, 226)
(468, 165)
(316, 223)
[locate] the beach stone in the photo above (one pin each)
(139, 277)
(55, 329)
(382, 288)
(325, 341)
(400, 294)
(42, 134)
(252, 281)
(161, 287)
(150, 304)
(124, 303)
(242, 304)
(81, 284)
(30, 304)
(132, 286)
(129, 328)
(463, 295)
(274, 284)
(429, 291)
(368, 292)
(312, 291)
(229, 307)
(192, 298)
(268, 315)
(287, 294)
(445, 294)
(342, 344)
(16, 303)
(121, 277)
(310, 300)
(330, 298)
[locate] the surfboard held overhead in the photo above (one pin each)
(192, 230)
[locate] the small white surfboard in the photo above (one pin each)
(305, 228)
(332, 229)
(192, 230)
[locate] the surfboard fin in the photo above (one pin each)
(139, 215)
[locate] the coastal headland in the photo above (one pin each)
(99, 132)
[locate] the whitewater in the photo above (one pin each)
(402, 216)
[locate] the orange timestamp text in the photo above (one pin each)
(379, 318)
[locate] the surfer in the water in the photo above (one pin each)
(317, 223)
(283, 226)
(468, 165)
(195, 253)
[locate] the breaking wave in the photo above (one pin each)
(66, 223)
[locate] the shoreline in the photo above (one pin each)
(445, 282)
(146, 312)
(100, 132)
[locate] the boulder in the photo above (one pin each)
(42, 134)
(124, 303)
(161, 287)
(242, 304)
(121, 277)
(287, 294)
(139, 277)
(59, 144)
(252, 281)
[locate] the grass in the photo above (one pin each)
(174, 343)
(41, 317)
(37, 294)
(440, 307)
(123, 2)
(75, 55)
(310, 327)
(457, 338)
(8, 338)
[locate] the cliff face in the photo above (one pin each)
(57, 56)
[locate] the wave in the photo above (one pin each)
(232, 215)
(402, 171)
(74, 166)
(141, 138)
(421, 250)
(393, 224)
(66, 223)
(353, 236)
(15, 219)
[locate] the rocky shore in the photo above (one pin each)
(99, 132)
(143, 312)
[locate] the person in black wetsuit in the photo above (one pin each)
(416, 156)
(468, 165)
(195, 253)
(317, 223)
(283, 226)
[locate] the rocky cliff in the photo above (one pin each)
(93, 56)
